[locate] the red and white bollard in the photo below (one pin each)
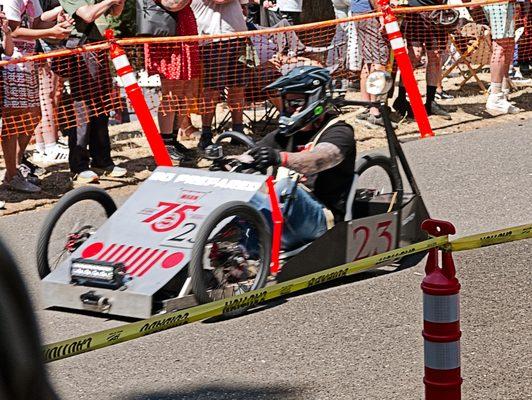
(400, 52)
(134, 92)
(441, 320)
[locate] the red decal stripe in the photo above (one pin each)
(106, 251)
(159, 256)
(136, 259)
(131, 255)
(123, 254)
(141, 264)
(113, 254)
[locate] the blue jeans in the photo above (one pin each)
(305, 219)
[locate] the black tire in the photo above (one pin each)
(22, 371)
(384, 162)
(98, 195)
(199, 277)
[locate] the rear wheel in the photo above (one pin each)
(379, 169)
(232, 253)
(376, 177)
(69, 224)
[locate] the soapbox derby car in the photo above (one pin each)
(190, 236)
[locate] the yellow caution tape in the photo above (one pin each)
(97, 340)
(491, 238)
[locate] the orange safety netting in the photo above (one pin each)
(63, 89)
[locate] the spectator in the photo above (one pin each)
(48, 150)
(524, 46)
(424, 32)
(21, 105)
(283, 9)
(6, 45)
(90, 84)
(222, 61)
(341, 8)
(374, 51)
(176, 64)
(501, 21)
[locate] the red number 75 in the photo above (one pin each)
(169, 217)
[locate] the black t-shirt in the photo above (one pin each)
(331, 186)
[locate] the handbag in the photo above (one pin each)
(447, 18)
(154, 20)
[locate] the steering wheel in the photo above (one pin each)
(236, 136)
(220, 162)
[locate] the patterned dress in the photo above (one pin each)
(21, 81)
(177, 61)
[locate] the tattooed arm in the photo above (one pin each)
(322, 157)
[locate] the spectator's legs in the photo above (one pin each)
(165, 115)
(508, 60)
(78, 140)
(400, 104)
(170, 109)
(99, 142)
(22, 143)
(9, 143)
(18, 125)
(433, 75)
(188, 105)
(501, 59)
(366, 70)
(211, 98)
(46, 132)
(499, 65)
(235, 101)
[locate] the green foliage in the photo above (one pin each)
(125, 25)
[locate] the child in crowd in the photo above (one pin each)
(48, 149)
(21, 103)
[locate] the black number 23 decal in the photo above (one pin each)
(184, 235)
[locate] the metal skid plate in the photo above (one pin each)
(152, 234)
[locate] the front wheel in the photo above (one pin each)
(69, 224)
(231, 254)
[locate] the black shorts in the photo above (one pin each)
(224, 64)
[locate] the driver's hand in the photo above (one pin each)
(265, 157)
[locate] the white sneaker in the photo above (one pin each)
(38, 157)
(117, 172)
(57, 155)
(19, 184)
(497, 103)
(113, 171)
(53, 156)
(87, 176)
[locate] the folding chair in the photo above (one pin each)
(472, 53)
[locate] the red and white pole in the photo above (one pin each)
(441, 320)
(134, 92)
(405, 66)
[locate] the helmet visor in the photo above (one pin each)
(294, 103)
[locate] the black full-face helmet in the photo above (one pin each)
(314, 87)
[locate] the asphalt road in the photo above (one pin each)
(360, 340)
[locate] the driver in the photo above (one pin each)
(313, 142)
